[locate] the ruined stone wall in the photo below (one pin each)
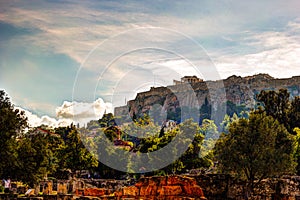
(163, 187)
(192, 187)
(219, 186)
(121, 111)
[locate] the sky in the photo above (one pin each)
(66, 60)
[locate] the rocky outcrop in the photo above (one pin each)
(239, 90)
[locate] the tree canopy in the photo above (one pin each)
(254, 145)
(276, 104)
(256, 148)
(12, 124)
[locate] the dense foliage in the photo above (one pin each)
(256, 148)
(12, 125)
(252, 146)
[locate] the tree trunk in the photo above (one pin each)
(248, 190)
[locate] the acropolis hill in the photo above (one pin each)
(237, 89)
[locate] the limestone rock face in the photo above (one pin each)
(239, 90)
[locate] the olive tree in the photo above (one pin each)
(256, 148)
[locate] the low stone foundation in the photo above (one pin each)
(209, 186)
(44, 197)
(163, 187)
(219, 186)
(8, 196)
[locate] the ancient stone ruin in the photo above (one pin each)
(188, 187)
(162, 187)
(221, 186)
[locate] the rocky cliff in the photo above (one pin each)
(239, 90)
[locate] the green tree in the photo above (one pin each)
(192, 158)
(210, 132)
(224, 125)
(109, 155)
(112, 133)
(256, 148)
(141, 132)
(294, 113)
(107, 120)
(93, 124)
(37, 155)
(12, 124)
(232, 108)
(75, 155)
(205, 111)
(297, 149)
(276, 104)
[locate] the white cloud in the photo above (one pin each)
(34, 120)
(70, 112)
(82, 112)
(277, 54)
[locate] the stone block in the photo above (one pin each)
(174, 180)
(118, 193)
(171, 190)
(95, 192)
(139, 184)
(79, 192)
(143, 191)
(130, 191)
(197, 191)
(62, 188)
(163, 180)
(46, 187)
